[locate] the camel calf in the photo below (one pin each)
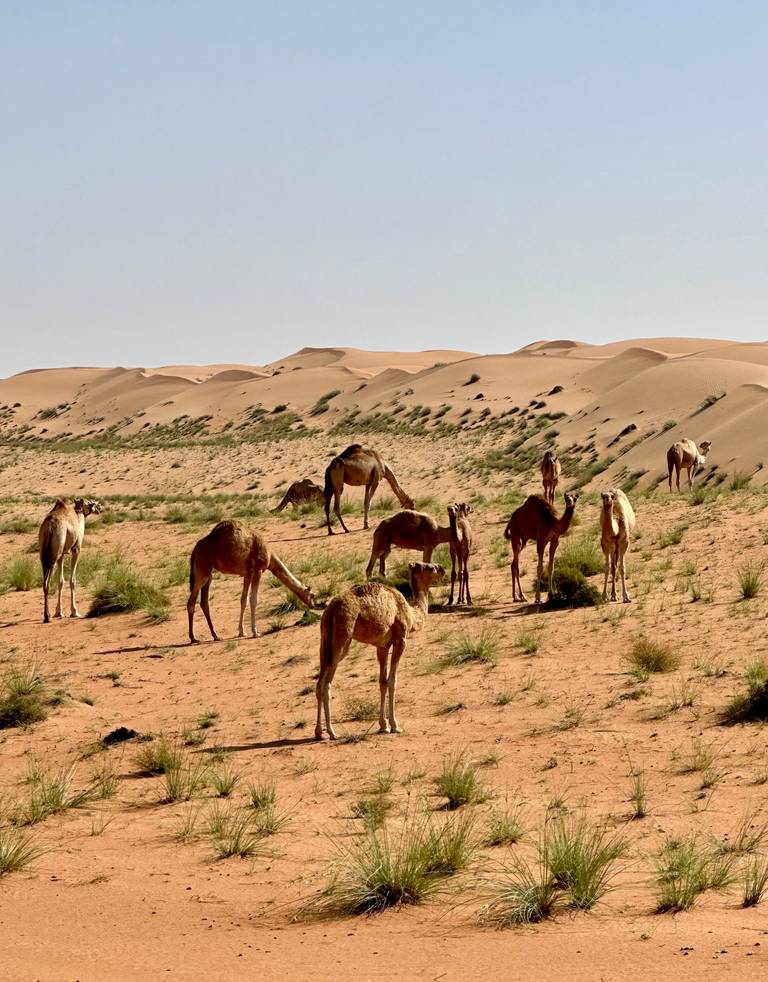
(617, 521)
(685, 455)
(61, 532)
(550, 475)
(461, 550)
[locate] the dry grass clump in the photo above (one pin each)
(755, 881)
(25, 697)
(18, 850)
(464, 648)
(120, 588)
(388, 868)
(20, 573)
(458, 782)
(750, 577)
(752, 705)
(685, 869)
(647, 657)
(159, 756)
(52, 792)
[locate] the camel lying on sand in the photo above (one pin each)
(231, 547)
(378, 615)
(62, 531)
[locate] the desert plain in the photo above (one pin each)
(547, 707)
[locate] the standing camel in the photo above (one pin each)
(407, 530)
(461, 549)
(617, 521)
(304, 492)
(62, 531)
(374, 614)
(550, 475)
(358, 467)
(536, 519)
(231, 547)
(685, 455)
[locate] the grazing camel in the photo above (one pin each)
(617, 520)
(357, 467)
(407, 530)
(685, 455)
(61, 532)
(550, 475)
(461, 549)
(374, 614)
(536, 519)
(304, 492)
(231, 547)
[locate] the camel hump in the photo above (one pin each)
(352, 449)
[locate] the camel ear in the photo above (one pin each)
(79, 504)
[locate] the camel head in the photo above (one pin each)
(409, 503)
(464, 508)
(427, 573)
(608, 498)
(571, 497)
(87, 506)
(550, 456)
(704, 449)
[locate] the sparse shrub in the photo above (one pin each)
(739, 480)
(755, 881)
(474, 377)
(572, 589)
(120, 588)
(582, 553)
(750, 578)
(466, 648)
(748, 835)
(184, 781)
(224, 781)
(158, 756)
(24, 698)
(51, 794)
(638, 795)
(647, 656)
(358, 708)
(581, 857)
(527, 641)
(505, 827)
(237, 835)
(523, 893)
(18, 850)
(458, 782)
(372, 810)
(263, 794)
(750, 706)
(21, 573)
(685, 870)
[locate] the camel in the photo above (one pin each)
(617, 520)
(304, 492)
(407, 530)
(550, 475)
(357, 467)
(536, 519)
(61, 532)
(461, 549)
(378, 615)
(685, 455)
(231, 547)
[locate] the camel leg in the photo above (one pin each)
(254, 598)
(206, 608)
(466, 596)
(372, 563)
(60, 568)
(613, 574)
(382, 654)
(625, 596)
(540, 572)
(453, 581)
(398, 647)
(383, 562)
(552, 551)
(73, 611)
(605, 579)
(426, 554)
(328, 513)
(243, 602)
(323, 692)
(369, 492)
(337, 510)
(46, 585)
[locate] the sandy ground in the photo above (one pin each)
(117, 894)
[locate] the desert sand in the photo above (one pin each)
(556, 722)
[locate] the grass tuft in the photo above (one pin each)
(458, 783)
(121, 588)
(647, 657)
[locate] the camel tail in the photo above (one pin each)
(286, 577)
(48, 555)
(508, 530)
(671, 459)
(192, 570)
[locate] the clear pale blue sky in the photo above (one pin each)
(230, 180)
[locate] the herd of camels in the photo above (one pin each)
(372, 612)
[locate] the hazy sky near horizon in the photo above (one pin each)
(227, 182)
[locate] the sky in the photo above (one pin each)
(197, 182)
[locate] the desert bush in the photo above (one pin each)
(750, 577)
(52, 793)
(372, 810)
(638, 795)
(465, 648)
(522, 893)
(17, 526)
(121, 588)
(749, 706)
(739, 480)
(159, 756)
(572, 589)
(581, 857)
(647, 656)
(582, 553)
(18, 850)
(505, 826)
(21, 573)
(24, 697)
(458, 782)
(263, 794)
(755, 881)
(184, 781)
(685, 869)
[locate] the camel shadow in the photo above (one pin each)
(261, 745)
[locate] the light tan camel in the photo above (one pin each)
(461, 550)
(617, 521)
(685, 455)
(358, 467)
(304, 492)
(536, 519)
(231, 547)
(374, 614)
(61, 532)
(407, 530)
(550, 475)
